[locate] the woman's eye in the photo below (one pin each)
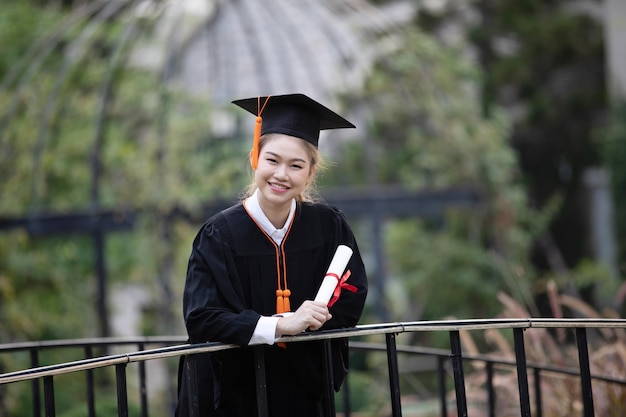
(272, 160)
(296, 166)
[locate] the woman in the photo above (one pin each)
(255, 269)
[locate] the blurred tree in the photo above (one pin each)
(438, 121)
(426, 130)
(543, 61)
(78, 133)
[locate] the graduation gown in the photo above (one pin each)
(232, 279)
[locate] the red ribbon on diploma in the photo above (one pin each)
(341, 284)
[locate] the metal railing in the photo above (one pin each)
(390, 331)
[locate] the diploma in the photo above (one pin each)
(335, 270)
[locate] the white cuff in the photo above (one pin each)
(265, 331)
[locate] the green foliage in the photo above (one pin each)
(424, 119)
(76, 134)
(43, 280)
(427, 131)
(443, 273)
(367, 393)
(437, 122)
(21, 25)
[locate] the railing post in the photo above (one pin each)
(329, 395)
(522, 374)
(91, 402)
(48, 393)
(585, 374)
(394, 375)
(34, 363)
(457, 369)
(441, 378)
(345, 390)
(143, 391)
(122, 393)
(261, 383)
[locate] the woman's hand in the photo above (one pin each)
(310, 315)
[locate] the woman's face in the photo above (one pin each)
(283, 172)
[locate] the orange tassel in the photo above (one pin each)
(254, 153)
(280, 308)
(286, 303)
(280, 305)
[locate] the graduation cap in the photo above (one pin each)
(291, 114)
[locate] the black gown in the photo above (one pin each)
(232, 279)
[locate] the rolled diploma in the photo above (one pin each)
(336, 267)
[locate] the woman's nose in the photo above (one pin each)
(281, 171)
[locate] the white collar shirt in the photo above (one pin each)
(254, 209)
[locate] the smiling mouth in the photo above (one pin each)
(278, 186)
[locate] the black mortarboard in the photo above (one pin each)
(291, 114)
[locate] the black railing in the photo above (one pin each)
(455, 357)
(88, 346)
